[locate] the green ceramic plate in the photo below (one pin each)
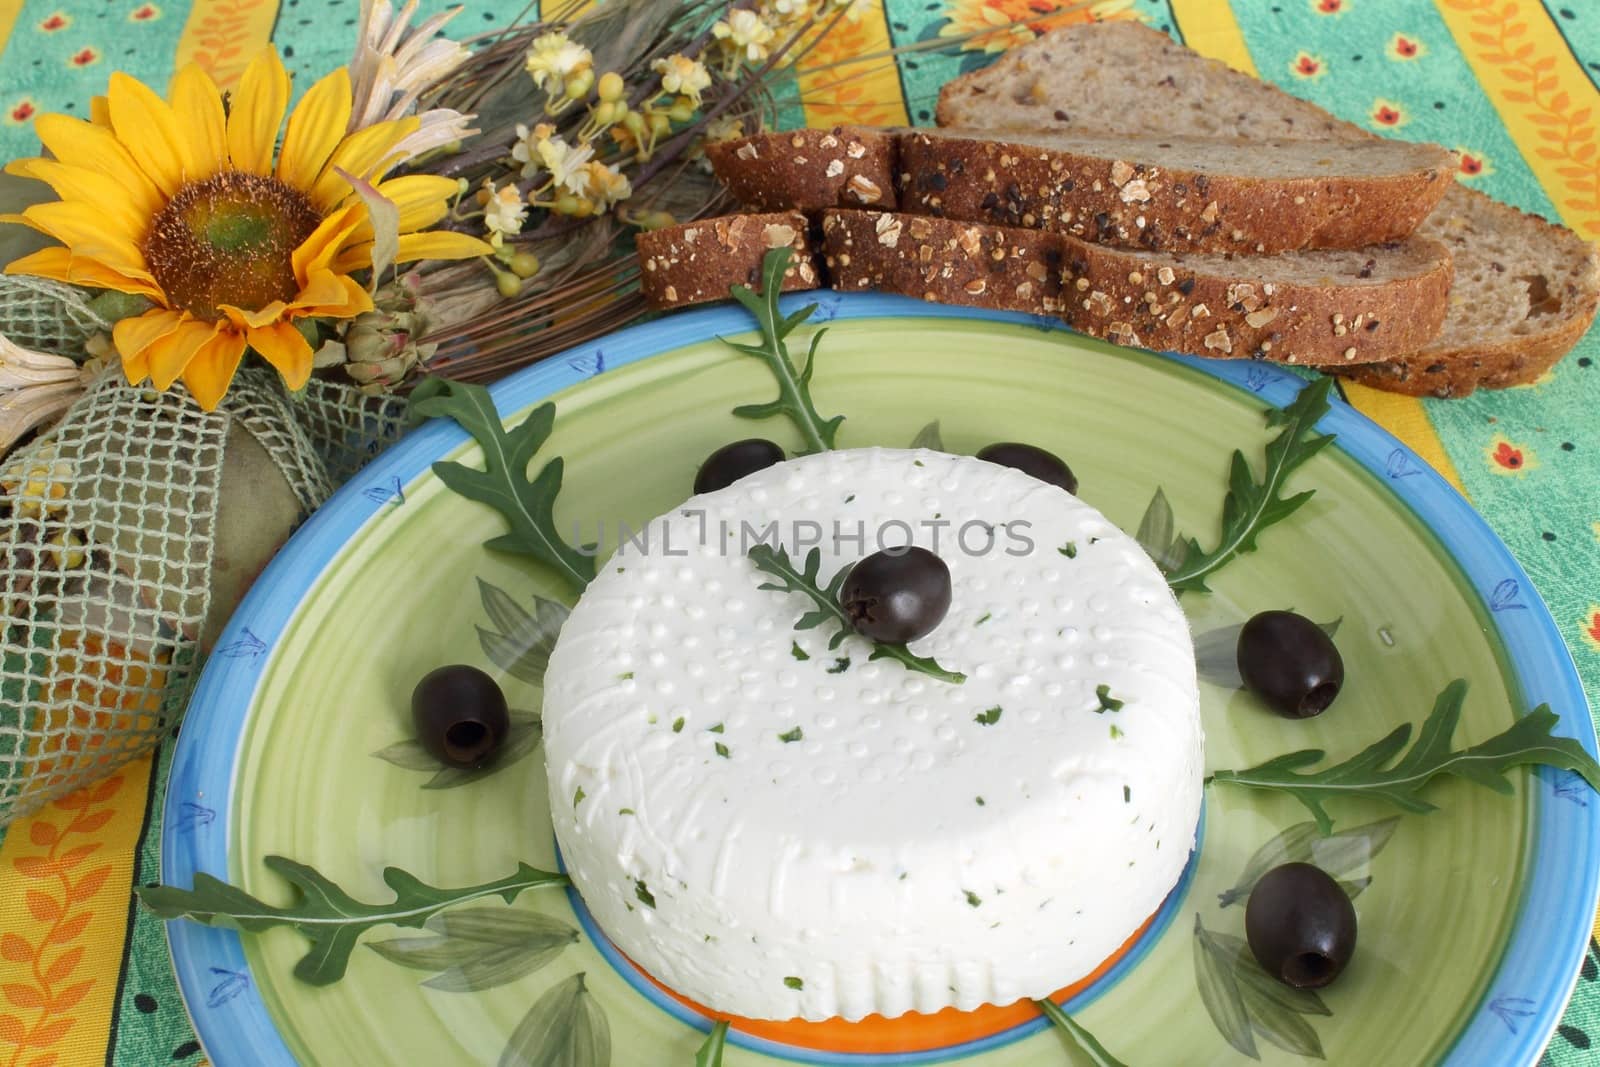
(1455, 964)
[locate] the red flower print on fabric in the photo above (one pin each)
(1306, 65)
(144, 13)
(1403, 47)
(1507, 457)
(1328, 7)
(1472, 164)
(84, 56)
(21, 112)
(54, 22)
(1386, 114)
(1591, 627)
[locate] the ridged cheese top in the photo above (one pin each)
(775, 828)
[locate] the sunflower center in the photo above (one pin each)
(229, 239)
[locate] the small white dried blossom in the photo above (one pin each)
(503, 213)
(682, 75)
(607, 185)
(553, 58)
(568, 166)
(724, 128)
(746, 32)
(526, 150)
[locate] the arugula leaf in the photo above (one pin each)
(528, 506)
(710, 1054)
(776, 562)
(1082, 1038)
(1251, 507)
(794, 387)
(1366, 774)
(324, 914)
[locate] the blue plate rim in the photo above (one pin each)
(1519, 1009)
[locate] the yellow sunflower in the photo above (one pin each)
(180, 201)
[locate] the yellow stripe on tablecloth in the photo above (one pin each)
(1544, 98)
(224, 35)
(9, 10)
(67, 873)
(1209, 28)
(865, 93)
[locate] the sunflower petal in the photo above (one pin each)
(330, 294)
(100, 111)
(262, 316)
(440, 244)
(353, 257)
(211, 371)
(332, 233)
(367, 153)
(150, 129)
(170, 355)
(97, 148)
(81, 228)
(133, 336)
(87, 186)
(315, 130)
(257, 113)
(59, 263)
(423, 199)
(198, 105)
(285, 348)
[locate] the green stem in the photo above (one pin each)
(1079, 1036)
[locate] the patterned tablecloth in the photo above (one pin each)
(1514, 85)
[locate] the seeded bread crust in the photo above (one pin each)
(944, 262)
(1204, 306)
(1120, 77)
(1125, 199)
(696, 262)
(810, 169)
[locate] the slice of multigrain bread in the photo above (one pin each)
(1180, 194)
(807, 170)
(696, 262)
(1527, 290)
(1319, 308)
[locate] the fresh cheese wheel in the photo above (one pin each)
(777, 828)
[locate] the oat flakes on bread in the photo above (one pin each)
(1172, 193)
(808, 169)
(1318, 308)
(697, 262)
(944, 261)
(1124, 78)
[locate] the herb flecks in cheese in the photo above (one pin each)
(802, 845)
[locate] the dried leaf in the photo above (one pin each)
(385, 216)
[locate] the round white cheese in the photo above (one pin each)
(775, 828)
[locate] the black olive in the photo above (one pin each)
(460, 715)
(1042, 465)
(1290, 663)
(731, 462)
(1301, 925)
(897, 595)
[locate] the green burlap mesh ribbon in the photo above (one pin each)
(127, 533)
